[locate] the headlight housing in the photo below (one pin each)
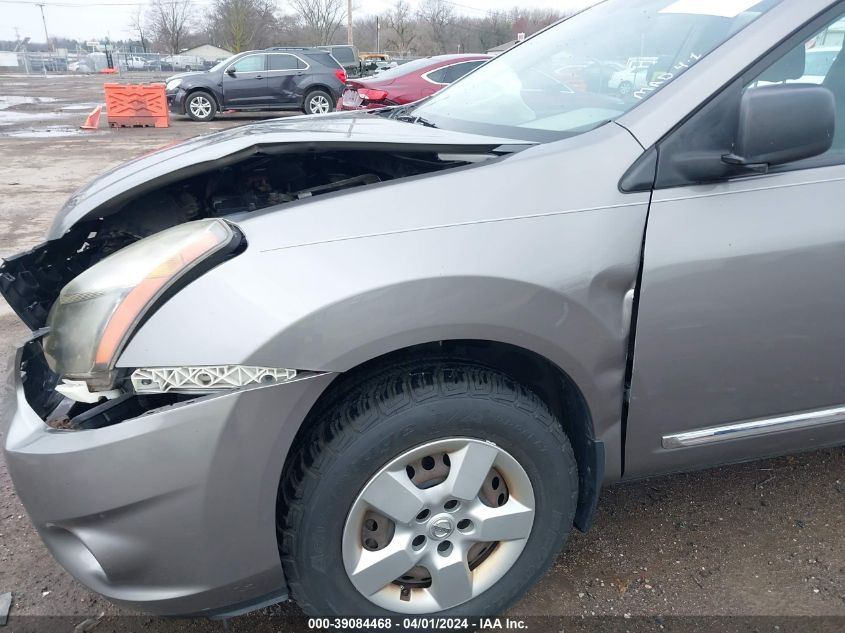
(173, 84)
(97, 312)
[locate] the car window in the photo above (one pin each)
(812, 63)
(249, 64)
(326, 59)
(459, 70)
(344, 55)
(712, 130)
(598, 70)
(438, 76)
(414, 66)
(283, 62)
(819, 62)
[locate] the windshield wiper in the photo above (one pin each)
(410, 118)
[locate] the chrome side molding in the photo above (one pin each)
(753, 428)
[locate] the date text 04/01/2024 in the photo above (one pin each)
(422, 623)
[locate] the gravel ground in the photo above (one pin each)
(757, 539)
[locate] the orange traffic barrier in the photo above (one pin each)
(108, 71)
(93, 120)
(136, 105)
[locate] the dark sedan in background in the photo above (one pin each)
(307, 79)
(410, 82)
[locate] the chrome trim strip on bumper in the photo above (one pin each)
(753, 428)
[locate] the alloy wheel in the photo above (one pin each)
(318, 104)
(438, 526)
(200, 106)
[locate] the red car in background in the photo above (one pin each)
(409, 82)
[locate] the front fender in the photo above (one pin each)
(557, 290)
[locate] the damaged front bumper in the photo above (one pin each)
(172, 512)
(176, 101)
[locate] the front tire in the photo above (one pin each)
(440, 487)
(201, 106)
(318, 102)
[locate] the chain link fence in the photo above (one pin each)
(88, 63)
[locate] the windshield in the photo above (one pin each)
(589, 69)
(219, 65)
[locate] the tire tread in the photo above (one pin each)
(353, 413)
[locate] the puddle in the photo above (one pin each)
(51, 131)
(7, 101)
(11, 117)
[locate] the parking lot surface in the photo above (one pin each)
(763, 538)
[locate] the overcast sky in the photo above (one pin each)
(91, 19)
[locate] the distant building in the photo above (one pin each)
(208, 52)
(501, 48)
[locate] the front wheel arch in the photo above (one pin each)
(552, 384)
(435, 401)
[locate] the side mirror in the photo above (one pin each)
(781, 124)
(230, 71)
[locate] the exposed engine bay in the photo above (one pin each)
(31, 281)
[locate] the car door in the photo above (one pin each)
(284, 74)
(245, 83)
(740, 331)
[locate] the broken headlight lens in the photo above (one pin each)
(98, 311)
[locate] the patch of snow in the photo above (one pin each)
(11, 118)
(51, 131)
(8, 101)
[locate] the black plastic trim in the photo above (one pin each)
(642, 175)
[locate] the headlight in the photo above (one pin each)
(97, 312)
(173, 84)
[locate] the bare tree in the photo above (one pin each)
(322, 17)
(169, 21)
(401, 21)
(439, 15)
(240, 25)
(495, 30)
(139, 27)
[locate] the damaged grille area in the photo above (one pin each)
(39, 384)
(31, 281)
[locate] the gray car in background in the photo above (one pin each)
(307, 79)
(382, 363)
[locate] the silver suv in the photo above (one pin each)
(382, 363)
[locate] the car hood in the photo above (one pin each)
(193, 73)
(109, 192)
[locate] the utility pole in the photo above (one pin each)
(44, 21)
(378, 34)
(349, 37)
